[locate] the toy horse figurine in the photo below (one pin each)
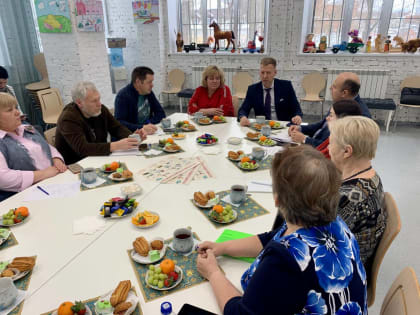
(218, 34)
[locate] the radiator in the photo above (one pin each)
(373, 83)
(229, 73)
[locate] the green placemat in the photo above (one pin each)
(156, 146)
(230, 235)
(247, 210)
(91, 304)
(11, 241)
(264, 164)
(191, 276)
(105, 176)
(22, 284)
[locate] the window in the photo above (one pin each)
(335, 18)
(243, 17)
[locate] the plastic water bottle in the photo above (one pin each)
(166, 308)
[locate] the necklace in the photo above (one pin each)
(358, 173)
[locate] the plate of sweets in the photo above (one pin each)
(257, 126)
(276, 124)
(145, 252)
(171, 148)
(235, 155)
(219, 119)
(145, 219)
(14, 217)
(76, 308)
(118, 207)
(206, 139)
(178, 136)
(266, 142)
(121, 300)
(111, 167)
(222, 214)
(18, 268)
(121, 175)
(186, 125)
(205, 201)
(253, 136)
(247, 164)
(164, 276)
(205, 121)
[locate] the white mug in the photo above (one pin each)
(8, 292)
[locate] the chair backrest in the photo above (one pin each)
(41, 65)
(176, 78)
(403, 297)
(50, 135)
(51, 104)
(235, 103)
(413, 82)
(313, 83)
(393, 227)
(241, 81)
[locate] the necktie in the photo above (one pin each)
(267, 103)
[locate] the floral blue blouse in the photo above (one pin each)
(311, 271)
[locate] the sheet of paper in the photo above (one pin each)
(126, 152)
(54, 190)
(229, 235)
(19, 298)
(259, 188)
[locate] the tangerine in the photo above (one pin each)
(114, 165)
(167, 266)
(245, 159)
(216, 118)
(263, 138)
(218, 208)
(272, 123)
(186, 122)
(65, 308)
(170, 140)
(23, 211)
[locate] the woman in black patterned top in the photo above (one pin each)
(353, 143)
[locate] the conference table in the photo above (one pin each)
(79, 267)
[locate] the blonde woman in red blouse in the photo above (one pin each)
(213, 97)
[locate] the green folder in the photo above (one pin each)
(228, 235)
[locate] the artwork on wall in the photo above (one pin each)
(53, 16)
(146, 11)
(89, 15)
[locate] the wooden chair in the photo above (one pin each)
(41, 66)
(50, 135)
(240, 82)
(393, 227)
(313, 83)
(413, 82)
(51, 105)
(176, 79)
(403, 297)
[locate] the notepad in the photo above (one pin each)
(228, 235)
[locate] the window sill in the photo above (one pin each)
(219, 53)
(358, 54)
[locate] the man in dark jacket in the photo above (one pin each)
(136, 106)
(272, 98)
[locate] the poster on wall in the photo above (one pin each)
(89, 15)
(53, 16)
(146, 11)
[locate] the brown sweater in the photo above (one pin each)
(78, 137)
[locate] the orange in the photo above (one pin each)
(218, 208)
(114, 165)
(263, 138)
(23, 211)
(170, 140)
(186, 122)
(216, 118)
(167, 266)
(65, 309)
(272, 123)
(245, 159)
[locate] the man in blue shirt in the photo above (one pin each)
(136, 106)
(345, 87)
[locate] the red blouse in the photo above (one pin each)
(323, 148)
(221, 97)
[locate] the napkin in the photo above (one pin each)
(152, 152)
(260, 186)
(211, 150)
(228, 200)
(99, 181)
(195, 246)
(272, 151)
(88, 225)
(19, 298)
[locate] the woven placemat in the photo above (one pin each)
(263, 165)
(11, 241)
(105, 176)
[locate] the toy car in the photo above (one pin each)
(352, 47)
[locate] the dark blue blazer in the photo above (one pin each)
(286, 103)
(126, 111)
(321, 136)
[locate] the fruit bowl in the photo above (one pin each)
(222, 214)
(110, 167)
(219, 119)
(14, 217)
(275, 124)
(266, 142)
(161, 277)
(145, 219)
(206, 139)
(248, 166)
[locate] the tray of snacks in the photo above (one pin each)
(205, 121)
(121, 175)
(145, 252)
(122, 300)
(219, 119)
(205, 201)
(118, 207)
(145, 219)
(253, 136)
(185, 125)
(206, 139)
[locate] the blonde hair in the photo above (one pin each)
(359, 132)
(7, 100)
(212, 70)
(268, 61)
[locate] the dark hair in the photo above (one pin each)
(3, 73)
(345, 108)
(352, 86)
(140, 73)
(306, 186)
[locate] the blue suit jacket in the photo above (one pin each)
(286, 103)
(322, 125)
(126, 111)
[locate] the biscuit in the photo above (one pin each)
(120, 293)
(200, 198)
(156, 244)
(7, 273)
(122, 307)
(210, 195)
(22, 263)
(141, 246)
(127, 174)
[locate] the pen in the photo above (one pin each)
(41, 189)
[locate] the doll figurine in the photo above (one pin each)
(369, 44)
(354, 34)
(309, 46)
(378, 43)
(387, 46)
(322, 45)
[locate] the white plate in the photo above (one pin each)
(4, 237)
(132, 298)
(267, 145)
(88, 311)
(122, 179)
(180, 276)
(188, 130)
(103, 170)
(248, 169)
(209, 204)
(14, 224)
(18, 274)
(146, 260)
(234, 160)
(171, 151)
(253, 139)
(234, 140)
(205, 123)
(147, 226)
(235, 216)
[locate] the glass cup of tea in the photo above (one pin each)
(238, 193)
(183, 241)
(266, 130)
(166, 123)
(88, 175)
(260, 119)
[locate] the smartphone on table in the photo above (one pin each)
(188, 309)
(74, 168)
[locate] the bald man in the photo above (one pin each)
(345, 87)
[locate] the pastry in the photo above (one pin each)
(22, 263)
(116, 175)
(210, 195)
(127, 174)
(7, 273)
(120, 293)
(200, 198)
(240, 152)
(252, 135)
(233, 155)
(122, 307)
(141, 246)
(157, 244)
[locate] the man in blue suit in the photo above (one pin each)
(272, 98)
(345, 87)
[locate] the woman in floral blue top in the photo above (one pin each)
(311, 264)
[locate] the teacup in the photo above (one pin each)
(8, 292)
(88, 175)
(198, 115)
(258, 153)
(260, 119)
(266, 130)
(166, 123)
(135, 136)
(238, 193)
(183, 241)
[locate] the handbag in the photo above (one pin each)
(410, 96)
